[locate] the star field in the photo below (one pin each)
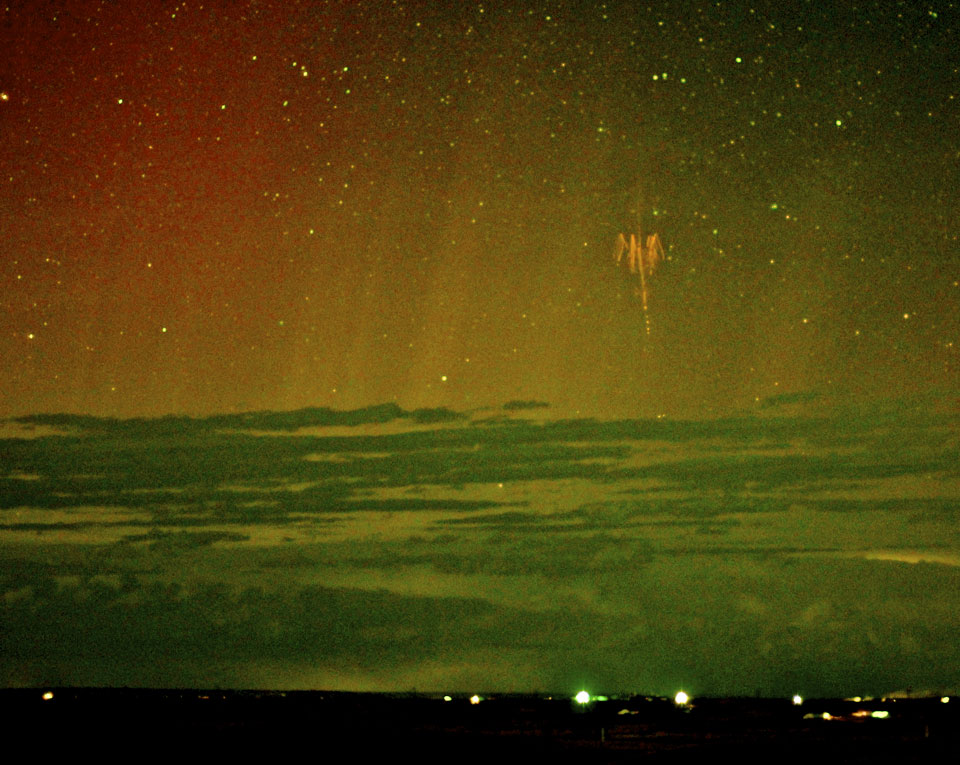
(216, 207)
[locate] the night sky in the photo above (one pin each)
(211, 209)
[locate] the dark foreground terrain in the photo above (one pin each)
(615, 730)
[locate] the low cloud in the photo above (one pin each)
(395, 547)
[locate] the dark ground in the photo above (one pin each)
(274, 724)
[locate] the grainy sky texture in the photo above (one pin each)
(234, 206)
(225, 207)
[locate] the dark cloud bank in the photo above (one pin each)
(800, 548)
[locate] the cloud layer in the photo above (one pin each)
(799, 548)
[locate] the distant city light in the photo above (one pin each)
(880, 714)
(448, 698)
(944, 699)
(582, 698)
(475, 699)
(47, 696)
(797, 700)
(681, 698)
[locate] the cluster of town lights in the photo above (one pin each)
(682, 699)
(583, 698)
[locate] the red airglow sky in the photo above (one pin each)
(221, 206)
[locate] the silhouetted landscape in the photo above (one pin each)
(517, 726)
